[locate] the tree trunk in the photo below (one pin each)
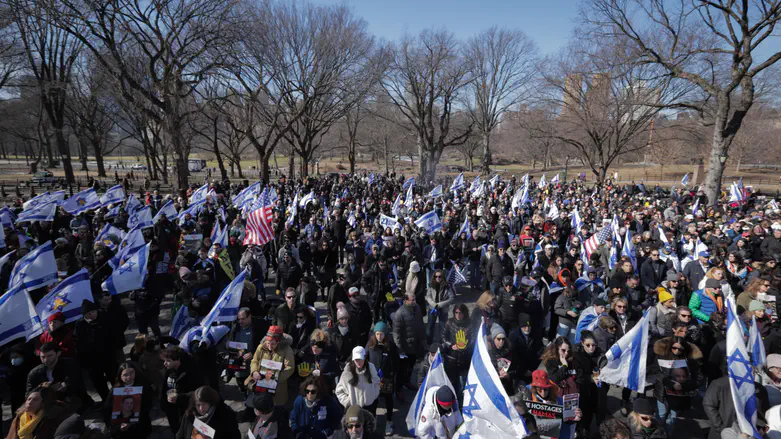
(422, 171)
(432, 167)
(215, 145)
(291, 164)
(98, 151)
(486, 153)
(241, 174)
(351, 155)
(65, 153)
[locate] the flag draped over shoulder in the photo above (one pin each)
(436, 377)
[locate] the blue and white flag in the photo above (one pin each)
(456, 275)
(386, 221)
(616, 229)
(488, 411)
(525, 178)
(627, 357)
(555, 180)
(436, 192)
(7, 217)
(429, 222)
(273, 196)
(628, 249)
(436, 377)
(409, 183)
(81, 202)
(105, 232)
(168, 210)
(553, 213)
(542, 182)
(588, 319)
(741, 374)
(480, 191)
(131, 242)
(306, 199)
(18, 317)
(213, 336)
(132, 204)
(35, 270)
(131, 274)
(351, 220)
(756, 346)
(464, 229)
(247, 194)
(772, 205)
(221, 237)
(475, 184)
(685, 180)
(293, 211)
(192, 209)
(113, 212)
(494, 181)
(613, 261)
(345, 193)
(115, 194)
(41, 212)
(410, 199)
(5, 258)
(736, 193)
(199, 194)
(181, 322)
(458, 183)
(576, 223)
(396, 208)
(44, 198)
(226, 308)
(696, 206)
(142, 218)
(2, 238)
(370, 179)
(66, 298)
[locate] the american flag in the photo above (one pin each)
(598, 238)
(455, 276)
(259, 229)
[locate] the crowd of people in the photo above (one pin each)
(351, 297)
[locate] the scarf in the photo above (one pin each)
(28, 423)
(719, 301)
(208, 416)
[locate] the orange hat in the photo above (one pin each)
(540, 379)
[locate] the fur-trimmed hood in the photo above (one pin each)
(662, 350)
(369, 422)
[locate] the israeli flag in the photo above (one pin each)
(272, 195)
(736, 193)
(35, 270)
(475, 184)
(464, 229)
(553, 213)
(555, 180)
(741, 374)
(396, 208)
(199, 194)
(613, 261)
(113, 212)
(7, 217)
(44, 198)
(293, 211)
(409, 183)
(351, 220)
(458, 183)
(662, 236)
(755, 345)
(576, 222)
(542, 182)
(429, 222)
(772, 205)
(41, 212)
(66, 298)
(132, 241)
(192, 209)
(213, 336)
(525, 178)
(105, 232)
(616, 229)
(696, 206)
(436, 192)
(141, 218)
(82, 202)
(220, 235)
(488, 411)
(494, 181)
(386, 221)
(115, 194)
(480, 191)
(131, 274)
(226, 308)
(626, 358)
(628, 249)
(685, 180)
(168, 210)
(132, 204)
(306, 199)
(181, 322)
(588, 320)
(410, 199)
(246, 195)
(370, 179)
(18, 317)
(436, 377)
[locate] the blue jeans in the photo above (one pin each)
(666, 416)
(474, 274)
(566, 331)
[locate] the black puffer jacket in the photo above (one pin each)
(457, 359)
(223, 421)
(408, 330)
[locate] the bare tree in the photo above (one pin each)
(352, 120)
(425, 80)
(51, 53)
(178, 44)
(503, 64)
(714, 45)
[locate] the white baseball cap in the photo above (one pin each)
(359, 353)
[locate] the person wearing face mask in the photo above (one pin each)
(316, 413)
(129, 375)
(21, 362)
(271, 422)
(93, 339)
(206, 406)
(60, 334)
(438, 419)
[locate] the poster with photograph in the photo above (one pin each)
(571, 402)
(201, 430)
(192, 243)
(269, 376)
(126, 405)
(548, 418)
(236, 351)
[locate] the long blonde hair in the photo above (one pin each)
(486, 297)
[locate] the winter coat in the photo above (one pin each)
(431, 424)
(652, 273)
(369, 427)
(326, 363)
(223, 421)
(526, 350)
(185, 380)
(143, 426)
(52, 418)
(457, 359)
(317, 422)
(277, 426)
(93, 340)
(439, 297)
(662, 369)
(65, 371)
(344, 344)
(703, 305)
(281, 357)
(408, 330)
(720, 409)
(363, 393)
(385, 358)
(288, 275)
(497, 268)
(563, 305)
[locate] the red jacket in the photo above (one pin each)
(62, 338)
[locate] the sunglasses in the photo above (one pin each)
(310, 391)
(676, 348)
(438, 277)
(685, 316)
(620, 306)
(654, 254)
(589, 345)
(352, 426)
(355, 294)
(300, 317)
(645, 418)
(290, 297)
